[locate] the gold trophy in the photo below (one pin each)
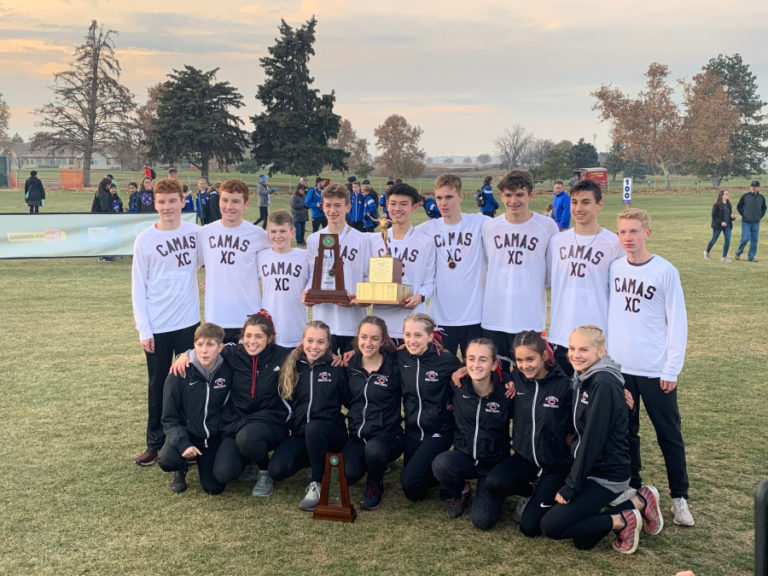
(385, 276)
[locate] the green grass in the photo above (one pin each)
(73, 418)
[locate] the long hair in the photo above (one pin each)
(428, 324)
(289, 374)
(263, 320)
(386, 342)
(720, 199)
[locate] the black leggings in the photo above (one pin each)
(252, 443)
(296, 452)
(263, 213)
(372, 455)
(170, 460)
(417, 476)
(34, 209)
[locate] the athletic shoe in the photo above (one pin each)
(179, 481)
(629, 537)
(628, 493)
(753, 260)
(653, 521)
(146, 458)
(737, 256)
(459, 505)
(517, 515)
(706, 255)
(264, 484)
(248, 474)
(725, 259)
(372, 495)
(683, 516)
(445, 496)
(311, 498)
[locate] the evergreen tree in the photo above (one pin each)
(193, 121)
(582, 155)
(614, 163)
(291, 135)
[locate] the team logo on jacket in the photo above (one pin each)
(551, 402)
(324, 377)
(219, 383)
(382, 381)
(431, 376)
(492, 407)
(584, 397)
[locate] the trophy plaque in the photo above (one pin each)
(385, 276)
(334, 492)
(328, 276)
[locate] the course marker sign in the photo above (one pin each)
(626, 191)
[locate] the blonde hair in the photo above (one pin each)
(636, 214)
(595, 335)
(289, 374)
(428, 324)
(448, 181)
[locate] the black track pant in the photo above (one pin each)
(372, 456)
(417, 476)
(170, 460)
(252, 443)
(296, 452)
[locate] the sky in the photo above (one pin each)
(462, 71)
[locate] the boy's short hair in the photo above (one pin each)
(235, 186)
(172, 171)
(210, 331)
(516, 180)
(558, 182)
(133, 184)
(336, 191)
(280, 217)
(404, 190)
(169, 186)
(448, 181)
(587, 185)
(636, 214)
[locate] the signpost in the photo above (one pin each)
(626, 191)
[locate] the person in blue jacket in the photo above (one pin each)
(562, 204)
(490, 205)
(430, 207)
(314, 201)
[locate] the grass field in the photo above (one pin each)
(73, 418)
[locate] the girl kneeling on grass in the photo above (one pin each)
(316, 390)
(374, 419)
(425, 369)
(601, 461)
(481, 440)
(541, 413)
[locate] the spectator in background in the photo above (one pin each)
(722, 221)
(490, 204)
(201, 201)
(115, 202)
(264, 192)
(34, 193)
(173, 174)
(373, 194)
(102, 199)
(149, 172)
(299, 211)
(549, 211)
(430, 207)
(751, 206)
(146, 197)
(383, 199)
(189, 202)
(356, 213)
(562, 204)
(370, 211)
(212, 211)
(314, 201)
(133, 196)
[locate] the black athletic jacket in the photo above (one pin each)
(374, 402)
(482, 424)
(319, 393)
(254, 386)
(195, 405)
(601, 419)
(542, 419)
(426, 391)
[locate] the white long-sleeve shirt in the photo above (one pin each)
(283, 278)
(647, 320)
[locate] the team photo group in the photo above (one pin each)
(548, 413)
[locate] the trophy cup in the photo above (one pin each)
(334, 492)
(385, 276)
(328, 276)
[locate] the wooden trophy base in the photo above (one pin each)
(382, 292)
(327, 297)
(334, 513)
(342, 511)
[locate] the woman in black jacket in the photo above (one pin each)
(34, 192)
(722, 221)
(374, 419)
(102, 200)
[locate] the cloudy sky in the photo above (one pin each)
(463, 71)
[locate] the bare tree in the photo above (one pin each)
(357, 148)
(5, 115)
(484, 159)
(399, 143)
(90, 111)
(539, 150)
(513, 146)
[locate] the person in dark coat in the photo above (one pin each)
(102, 200)
(34, 193)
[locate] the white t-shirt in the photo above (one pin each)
(517, 274)
(456, 300)
(580, 278)
(647, 321)
(164, 280)
(418, 257)
(283, 278)
(353, 248)
(231, 276)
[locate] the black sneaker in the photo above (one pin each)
(372, 495)
(459, 505)
(179, 481)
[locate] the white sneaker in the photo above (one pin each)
(311, 498)
(706, 255)
(517, 515)
(683, 516)
(628, 493)
(725, 259)
(264, 484)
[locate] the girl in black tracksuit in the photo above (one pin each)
(316, 390)
(374, 419)
(601, 461)
(541, 414)
(425, 369)
(481, 440)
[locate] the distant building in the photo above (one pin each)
(26, 156)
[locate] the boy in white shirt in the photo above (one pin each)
(647, 336)
(228, 249)
(166, 303)
(416, 253)
(284, 275)
(353, 249)
(580, 260)
(516, 245)
(457, 303)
